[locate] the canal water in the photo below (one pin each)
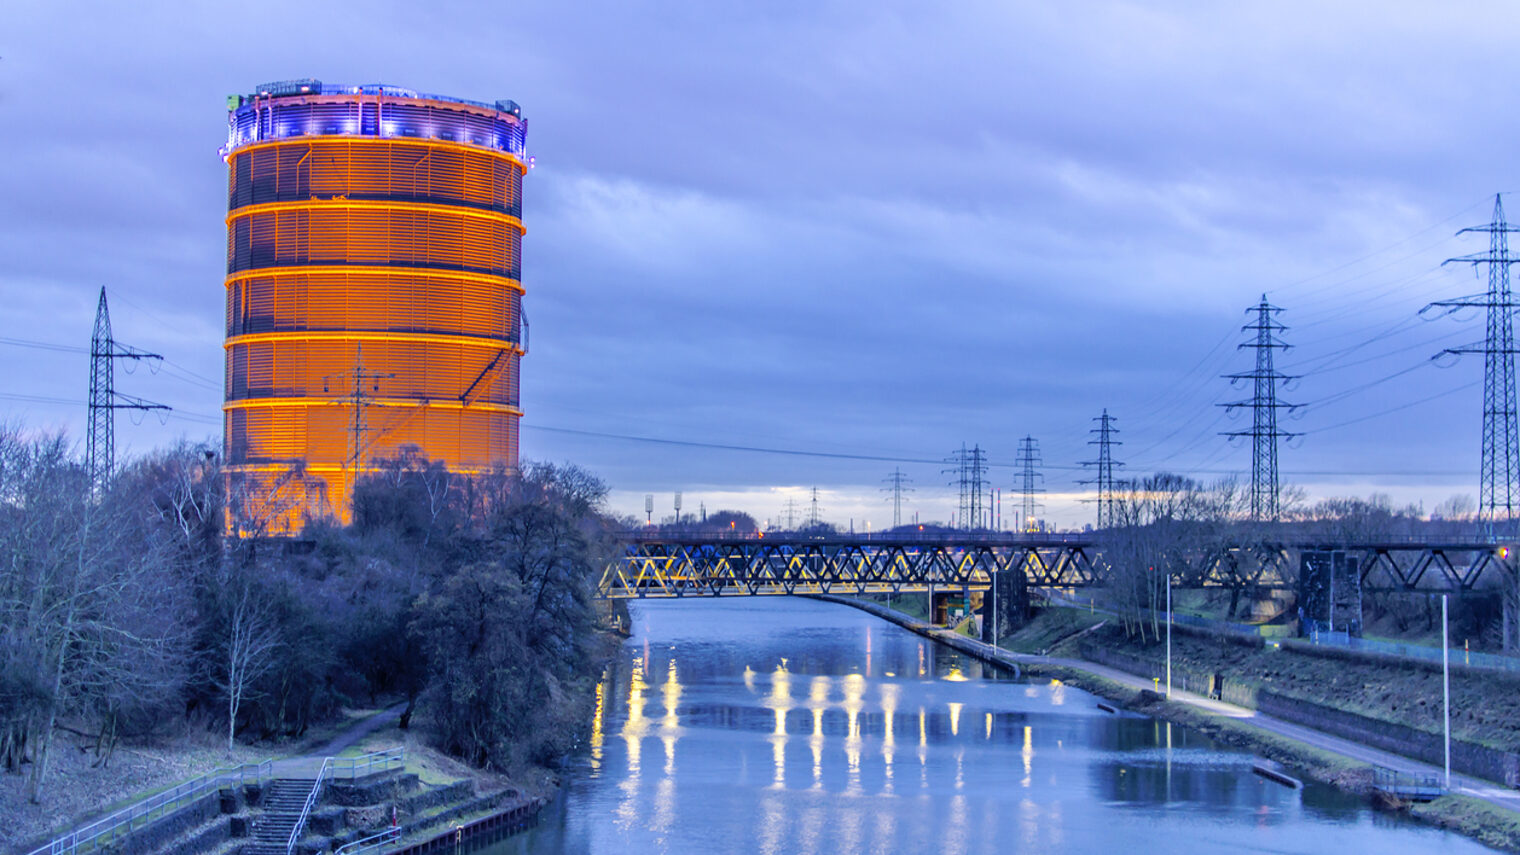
(782, 725)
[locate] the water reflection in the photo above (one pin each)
(783, 727)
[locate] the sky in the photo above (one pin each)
(866, 232)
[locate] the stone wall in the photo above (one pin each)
(371, 790)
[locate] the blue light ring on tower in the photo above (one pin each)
(338, 112)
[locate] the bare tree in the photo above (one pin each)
(250, 641)
(91, 612)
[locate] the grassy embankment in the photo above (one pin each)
(1403, 694)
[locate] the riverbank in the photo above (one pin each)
(1478, 809)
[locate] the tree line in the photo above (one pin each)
(125, 613)
(1162, 522)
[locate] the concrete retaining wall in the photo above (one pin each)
(161, 831)
(1479, 760)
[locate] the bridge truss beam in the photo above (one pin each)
(725, 566)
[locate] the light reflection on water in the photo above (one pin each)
(783, 726)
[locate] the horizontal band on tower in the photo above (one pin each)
(301, 336)
(376, 205)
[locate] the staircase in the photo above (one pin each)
(282, 804)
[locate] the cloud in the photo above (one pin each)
(829, 226)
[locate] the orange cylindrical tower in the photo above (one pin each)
(374, 291)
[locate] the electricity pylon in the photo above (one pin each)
(1266, 504)
(790, 514)
(813, 511)
(970, 469)
(1028, 459)
(358, 398)
(100, 447)
(1497, 492)
(897, 483)
(1105, 465)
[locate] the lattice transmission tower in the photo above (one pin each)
(1029, 480)
(814, 512)
(358, 398)
(789, 515)
(1497, 491)
(897, 484)
(1105, 465)
(970, 468)
(1266, 497)
(100, 444)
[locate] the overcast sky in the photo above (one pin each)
(876, 229)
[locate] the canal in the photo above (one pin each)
(781, 725)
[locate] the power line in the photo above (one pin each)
(1072, 468)
(1380, 413)
(43, 345)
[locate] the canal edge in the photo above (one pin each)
(1488, 823)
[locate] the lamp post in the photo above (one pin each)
(1168, 636)
(993, 576)
(1446, 689)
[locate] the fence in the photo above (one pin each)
(368, 764)
(129, 819)
(1249, 630)
(1466, 658)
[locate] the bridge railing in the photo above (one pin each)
(925, 537)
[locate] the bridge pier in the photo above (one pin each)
(1005, 606)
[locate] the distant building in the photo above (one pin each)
(373, 291)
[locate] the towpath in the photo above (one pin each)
(1465, 784)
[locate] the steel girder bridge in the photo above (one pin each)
(665, 565)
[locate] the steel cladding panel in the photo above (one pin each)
(387, 263)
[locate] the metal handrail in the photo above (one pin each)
(1397, 782)
(374, 841)
(155, 806)
(311, 800)
(368, 764)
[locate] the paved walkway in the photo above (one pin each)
(1488, 791)
(307, 765)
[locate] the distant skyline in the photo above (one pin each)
(867, 230)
